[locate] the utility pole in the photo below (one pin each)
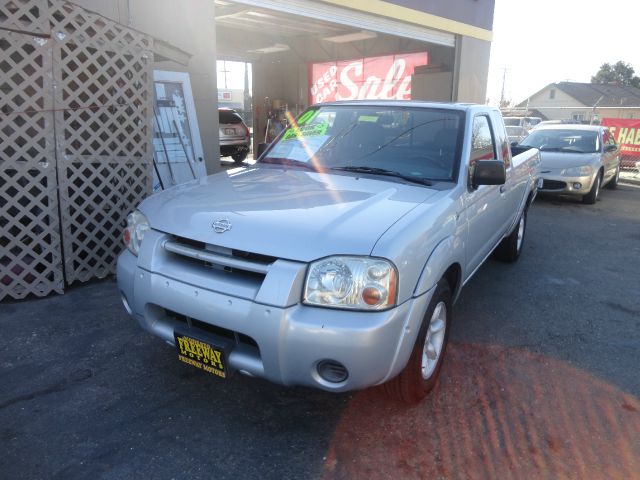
(504, 78)
(225, 71)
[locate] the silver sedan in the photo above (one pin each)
(576, 159)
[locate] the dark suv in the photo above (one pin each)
(234, 135)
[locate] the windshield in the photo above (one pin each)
(565, 140)
(407, 142)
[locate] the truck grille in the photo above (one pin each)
(235, 337)
(229, 260)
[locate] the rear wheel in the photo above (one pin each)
(510, 247)
(239, 155)
(592, 197)
(613, 183)
(420, 375)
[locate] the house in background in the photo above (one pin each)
(584, 102)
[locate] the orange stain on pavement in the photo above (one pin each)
(499, 413)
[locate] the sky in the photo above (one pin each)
(231, 75)
(545, 41)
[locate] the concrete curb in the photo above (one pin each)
(629, 178)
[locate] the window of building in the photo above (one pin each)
(578, 117)
(552, 93)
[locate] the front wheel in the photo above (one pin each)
(420, 375)
(510, 247)
(613, 183)
(592, 197)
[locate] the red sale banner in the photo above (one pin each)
(626, 131)
(387, 77)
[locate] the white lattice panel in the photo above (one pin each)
(103, 133)
(30, 247)
(25, 15)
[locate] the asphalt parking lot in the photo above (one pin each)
(541, 381)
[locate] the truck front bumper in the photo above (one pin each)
(285, 345)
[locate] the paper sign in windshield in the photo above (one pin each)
(306, 131)
(300, 149)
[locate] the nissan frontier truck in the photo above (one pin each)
(334, 261)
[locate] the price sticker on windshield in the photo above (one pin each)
(306, 131)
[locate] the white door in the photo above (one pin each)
(177, 148)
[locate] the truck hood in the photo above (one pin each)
(285, 213)
(560, 160)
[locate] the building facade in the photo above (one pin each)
(102, 99)
(585, 102)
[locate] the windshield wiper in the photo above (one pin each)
(288, 162)
(550, 149)
(382, 171)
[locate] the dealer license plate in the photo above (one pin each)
(202, 353)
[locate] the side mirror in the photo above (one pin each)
(610, 148)
(514, 144)
(488, 172)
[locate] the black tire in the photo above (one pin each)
(240, 155)
(613, 183)
(510, 248)
(592, 197)
(410, 386)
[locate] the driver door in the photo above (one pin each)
(484, 205)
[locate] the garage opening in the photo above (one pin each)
(302, 54)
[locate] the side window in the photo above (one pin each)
(482, 142)
(502, 140)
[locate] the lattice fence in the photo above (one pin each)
(75, 142)
(103, 134)
(30, 246)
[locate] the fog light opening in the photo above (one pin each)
(577, 185)
(332, 371)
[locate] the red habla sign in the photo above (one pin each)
(626, 131)
(387, 77)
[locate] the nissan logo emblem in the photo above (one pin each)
(221, 225)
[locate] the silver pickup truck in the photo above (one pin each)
(334, 261)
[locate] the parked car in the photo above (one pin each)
(235, 139)
(576, 159)
(371, 216)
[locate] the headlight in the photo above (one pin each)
(358, 283)
(578, 171)
(137, 226)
